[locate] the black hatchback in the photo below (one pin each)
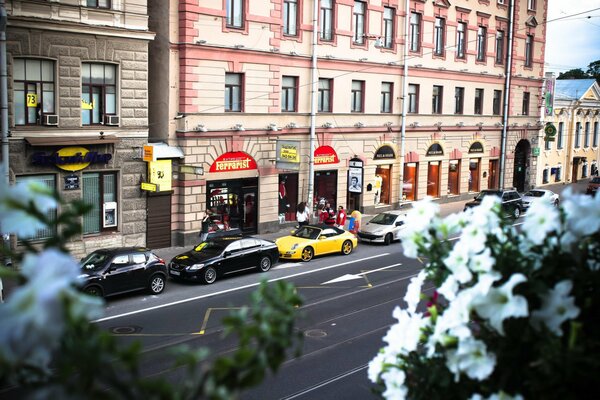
(108, 272)
(221, 257)
(510, 199)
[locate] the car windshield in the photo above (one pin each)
(534, 193)
(383, 219)
(307, 232)
(481, 195)
(595, 180)
(210, 247)
(94, 261)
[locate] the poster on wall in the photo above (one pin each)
(288, 154)
(355, 176)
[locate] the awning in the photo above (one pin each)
(70, 140)
(163, 150)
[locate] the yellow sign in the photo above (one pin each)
(289, 153)
(32, 100)
(150, 187)
(73, 158)
(149, 153)
(160, 173)
(87, 105)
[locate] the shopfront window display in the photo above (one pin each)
(287, 197)
(232, 204)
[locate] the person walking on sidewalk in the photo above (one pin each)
(340, 219)
(302, 214)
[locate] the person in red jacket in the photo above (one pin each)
(340, 219)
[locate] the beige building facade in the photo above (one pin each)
(78, 111)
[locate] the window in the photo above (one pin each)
(595, 139)
(559, 136)
(497, 102)
(98, 189)
(386, 97)
(577, 135)
(558, 175)
(359, 22)
(233, 92)
(388, 27)
(461, 30)
(326, 19)
(415, 31)
(413, 99)
(49, 182)
(481, 41)
(357, 98)
(502, 2)
(528, 50)
(439, 36)
(98, 3)
(531, 4)
(436, 100)
(500, 47)
(478, 101)
(98, 92)
(289, 89)
(235, 13)
(525, 108)
(33, 90)
(324, 95)
(290, 17)
(547, 146)
(586, 135)
(459, 100)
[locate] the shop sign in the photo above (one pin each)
(536, 151)
(549, 97)
(32, 100)
(325, 155)
(233, 161)
(71, 182)
(476, 147)
(148, 154)
(288, 154)
(71, 158)
(550, 132)
(150, 187)
(435, 150)
(160, 173)
(385, 153)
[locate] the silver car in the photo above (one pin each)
(385, 227)
(536, 194)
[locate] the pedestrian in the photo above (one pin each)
(302, 214)
(340, 219)
(328, 215)
(204, 225)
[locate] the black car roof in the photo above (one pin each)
(120, 250)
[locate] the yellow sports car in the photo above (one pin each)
(315, 240)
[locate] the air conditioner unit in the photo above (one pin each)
(111, 120)
(50, 119)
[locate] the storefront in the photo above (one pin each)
(410, 184)
(454, 177)
(233, 203)
(355, 183)
(325, 180)
(433, 170)
(384, 159)
(288, 161)
(475, 154)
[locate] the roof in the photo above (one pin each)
(572, 89)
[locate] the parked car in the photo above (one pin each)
(108, 272)
(511, 201)
(537, 194)
(593, 185)
(315, 240)
(384, 228)
(219, 257)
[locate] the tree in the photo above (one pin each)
(594, 70)
(576, 73)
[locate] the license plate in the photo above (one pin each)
(175, 273)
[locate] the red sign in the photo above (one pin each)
(326, 155)
(233, 161)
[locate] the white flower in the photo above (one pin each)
(473, 237)
(411, 240)
(449, 288)
(394, 383)
(484, 215)
(419, 218)
(557, 307)
(403, 337)
(471, 357)
(582, 211)
(482, 262)
(541, 219)
(500, 303)
(457, 262)
(497, 396)
(413, 292)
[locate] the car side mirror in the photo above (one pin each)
(111, 268)
(399, 223)
(227, 253)
(322, 238)
(475, 197)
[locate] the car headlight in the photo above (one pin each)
(294, 246)
(195, 267)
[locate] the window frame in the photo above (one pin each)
(231, 6)
(286, 91)
(413, 98)
(560, 135)
(439, 37)
(325, 93)
(461, 40)
(459, 100)
(531, 5)
(107, 6)
(40, 109)
(388, 27)
(359, 22)
(326, 15)
(229, 99)
(526, 103)
(577, 141)
(586, 135)
(500, 40)
(547, 146)
(481, 43)
(497, 102)
(528, 51)
(415, 32)
(290, 7)
(387, 97)
(103, 91)
(479, 94)
(100, 201)
(50, 181)
(437, 99)
(357, 96)
(595, 135)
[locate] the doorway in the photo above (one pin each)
(158, 226)
(409, 186)
(474, 172)
(522, 152)
(454, 177)
(433, 179)
(493, 175)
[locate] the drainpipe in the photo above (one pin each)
(313, 107)
(4, 108)
(511, 17)
(404, 101)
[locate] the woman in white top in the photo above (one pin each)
(302, 214)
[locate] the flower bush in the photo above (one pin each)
(50, 349)
(515, 310)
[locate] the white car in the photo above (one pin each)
(536, 194)
(385, 227)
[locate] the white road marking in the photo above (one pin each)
(349, 277)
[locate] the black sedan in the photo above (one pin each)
(107, 272)
(220, 257)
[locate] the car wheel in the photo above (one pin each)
(93, 290)
(210, 275)
(388, 239)
(157, 284)
(517, 212)
(347, 247)
(265, 264)
(307, 254)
